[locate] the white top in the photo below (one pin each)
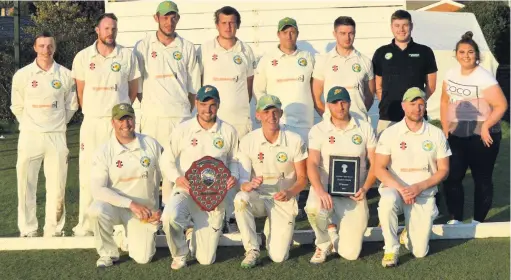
(350, 72)
(353, 141)
(190, 142)
(43, 101)
(106, 78)
(274, 162)
(228, 71)
(413, 155)
(124, 173)
(288, 77)
(169, 73)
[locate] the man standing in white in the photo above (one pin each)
(412, 158)
(43, 100)
(125, 180)
(228, 64)
(272, 174)
(203, 135)
(171, 78)
(339, 135)
(106, 74)
(344, 66)
(286, 72)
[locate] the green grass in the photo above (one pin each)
(452, 259)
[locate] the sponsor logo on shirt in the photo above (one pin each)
(34, 84)
(214, 57)
(56, 84)
(225, 79)
(119, 164)
(237, 59)
(54, 104)
(356, 139)
(114, 88)
(414, 169)
(154, 54)
(402, 145)
(194, 142)
(427, 146)
(145, 161)
(116, 67)
(274, 62)
(302, 61)
(356, 67)
(218, 142)
(39, 106)
(414, 55)
(92, 66)
(281, 157)
(300, 78)
(388, 55)
(260, 157)
(177, 55)
(461, 90)
(163, 76)
(331, 139)
(335, 68)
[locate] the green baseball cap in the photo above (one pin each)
(336, 94)
(206, 92)
(268, 101)
(287, 21)
(166, 7)
(121, 110)
(413, 93)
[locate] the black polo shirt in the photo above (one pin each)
(401, 70)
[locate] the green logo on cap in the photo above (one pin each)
(302, 61)
(177, 55)
(116, 67)
(356, 67)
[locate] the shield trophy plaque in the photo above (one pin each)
(208, 182)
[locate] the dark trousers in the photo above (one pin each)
(471, 152)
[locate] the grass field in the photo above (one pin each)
(448, 259)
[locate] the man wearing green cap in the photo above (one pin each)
(339, 135)
(203, 135)
(106, 74)
(347, 67)
(228, 64)
(412, 158)
(125, 177)
(170, 79)
(272, 174)
(286, 72)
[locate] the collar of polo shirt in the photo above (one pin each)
(280, 53)
(411, 43)
(119, 148)
(351, 125)
(237, 46)
(177, 42)
(196, 127)
(281, 140)
(403, 128)
(334, 53)
(36, 69)
(94, 50)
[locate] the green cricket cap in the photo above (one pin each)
(268, 101)
(206, 92)
(121, 110)
(166, 7)
(336, 94)
(287, 21)
(413, 93)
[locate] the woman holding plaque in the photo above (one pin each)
(471, 108)
(339, 188)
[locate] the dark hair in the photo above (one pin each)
(467, 39)
(401, 14)
(342, 20)
(44, 34)
(228, 10)
(105, 15)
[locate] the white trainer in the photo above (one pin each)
(30, 234)
(178, 262)
(320, 255)
(106, 261)
(251, 259)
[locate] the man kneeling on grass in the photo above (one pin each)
(275, 158)
(412, 158)
(125, 180)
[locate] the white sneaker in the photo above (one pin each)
(251, 259)
(54, 234)
(334, 237)
(454, 222)
(474, 222)
(320, 255)
(178, 262)
(30, 234)
(83, 233)
(106, 261)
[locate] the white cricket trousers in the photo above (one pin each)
(278, 229)
(207, 227)
(141, 236)
(94, 132)
(33, 148)
(352, 216)
(418, 221)
(160, 128)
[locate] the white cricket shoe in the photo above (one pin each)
(390, 260)
(106, 261)
(30, 234)
(454, 222)
(251, 259)
(320, 255)
(178, 262)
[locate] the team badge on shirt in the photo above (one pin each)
(34, 84)
(218, 143)
(237, 59)
(388, 55)
(335, 68)
(282, 157)
(302, 61)
(56, 84)
(145, 161)
(356, 139)
(116, 67)
(356, 67)
(427, 146)
(177, 55)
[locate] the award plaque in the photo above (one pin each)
(208, 182)
(343, 176)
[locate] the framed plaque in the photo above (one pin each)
(343, 176)
(208, 182)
